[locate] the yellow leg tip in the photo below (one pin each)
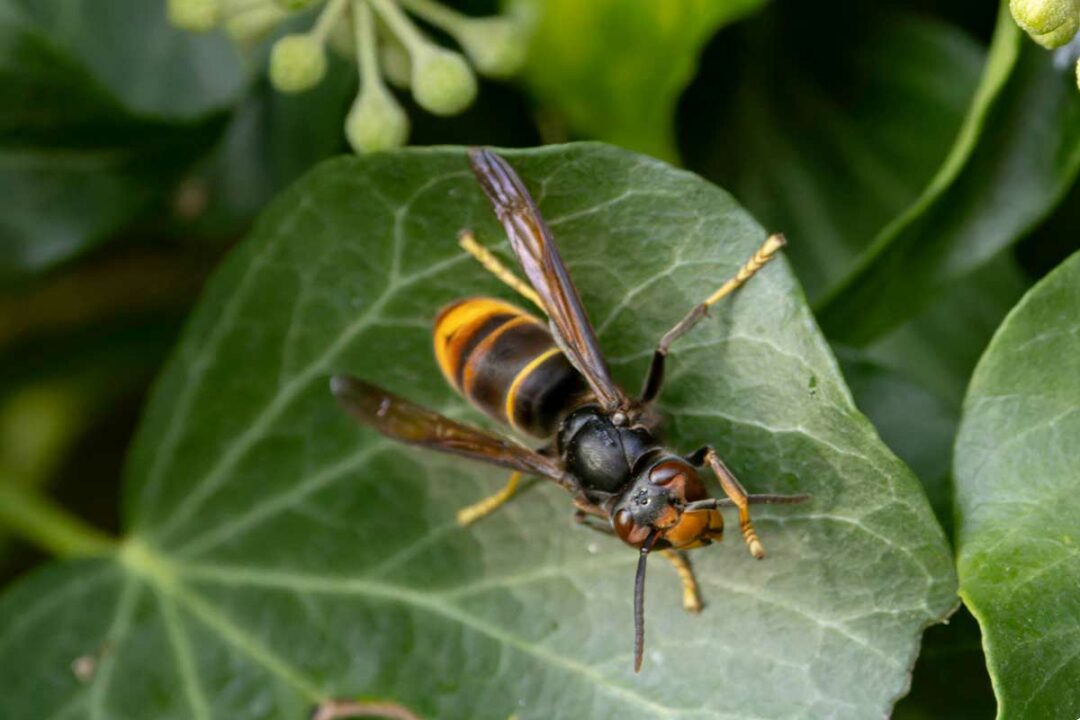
(756, 549)
(467, 516)
(774, 243)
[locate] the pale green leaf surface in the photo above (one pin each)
(279, 554)
(613, 69)
(1018, 509)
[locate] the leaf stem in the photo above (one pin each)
(38, 520)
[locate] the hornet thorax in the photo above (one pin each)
(603, 456)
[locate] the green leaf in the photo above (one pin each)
(132, 53)
(911, 382)
(271, 140)
(1018, 510)
(278, 554)
(828, 141)
(104, 107)
(613, 69)
(1015, 157)
(950, 678)
(915, 423)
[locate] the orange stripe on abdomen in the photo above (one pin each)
(463, 324)
(505, 362)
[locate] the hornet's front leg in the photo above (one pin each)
(735, 491)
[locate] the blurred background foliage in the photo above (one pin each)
(921, 158)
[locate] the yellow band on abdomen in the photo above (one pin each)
(511, 393)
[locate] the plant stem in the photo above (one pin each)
(399, 24)
(437, 14)
(329, 15)
(366, 55)
(38, 520)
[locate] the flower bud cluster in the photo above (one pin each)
(386, 43)
(1051, 23)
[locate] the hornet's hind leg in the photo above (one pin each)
(471, 513)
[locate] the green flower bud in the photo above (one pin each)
(1078, 74)
(497, 46)
(194, 15)
(376, 121)
(297, 63)
(442, 82)
(1051, 23)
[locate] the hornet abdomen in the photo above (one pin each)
(505, 362)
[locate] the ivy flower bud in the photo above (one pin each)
(442, 82)
(297, 63)
(194, 15)
(376, 121)
(497, 46)
(1051, 23)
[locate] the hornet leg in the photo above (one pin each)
(339, 709)
(467, 240)
(655, 378)
(738, 495)
(471, 513)
(691, 594)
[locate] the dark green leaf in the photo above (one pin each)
(104, 105)
(911, 382)
(915, 423)
(950, 678)
(613, 69)
(1018, 508)
(278, 554)
(127, 46)
(1017, 154)
(828, 141)
(270, 141)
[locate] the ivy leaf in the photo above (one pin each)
(278, 554)
(829, 141)
(613, 69)
(911, 382)
(271, 140)
(996, 183)
(105, 105)
(133, 55)
(1016, 469)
